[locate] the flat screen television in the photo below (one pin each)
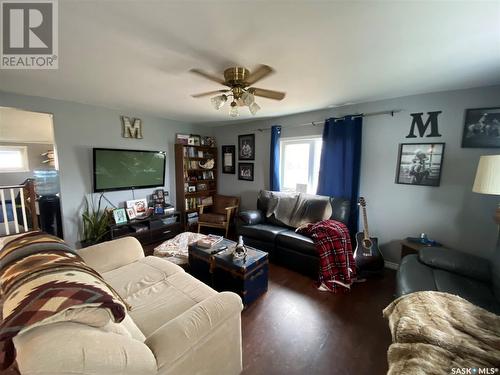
(117, 169)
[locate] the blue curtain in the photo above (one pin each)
(341, 161)
(274, 168)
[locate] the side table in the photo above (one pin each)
(409, 247)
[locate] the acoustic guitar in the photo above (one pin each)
(369, 259)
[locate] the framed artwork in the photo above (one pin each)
(245, 171)
(140, 206)
(482, 128)
(120, 216)
(130, 213)
(228, 159)
(246, 147)
(208, 141)
(182, 138)
(420, 164)
(194, 140)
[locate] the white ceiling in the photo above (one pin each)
(135, 55)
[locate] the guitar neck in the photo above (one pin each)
(365, 223)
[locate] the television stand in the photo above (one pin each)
(154, 228)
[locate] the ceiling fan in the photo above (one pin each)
(239, 81)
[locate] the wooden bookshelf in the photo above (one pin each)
(189, 174)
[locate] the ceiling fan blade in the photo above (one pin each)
(208, 76)
(271, 94)
(259, 73)
(208, 93)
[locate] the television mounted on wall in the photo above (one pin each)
(120, 169)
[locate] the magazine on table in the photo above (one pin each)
(209, 241)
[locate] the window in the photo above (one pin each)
(14, 159)
(300, 158)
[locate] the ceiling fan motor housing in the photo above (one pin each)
(236, 76)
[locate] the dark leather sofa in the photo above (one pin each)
(440, 269)
(284, 246)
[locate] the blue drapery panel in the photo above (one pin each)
(274, 168)
(341, 161)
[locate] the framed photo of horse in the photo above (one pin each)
(482, 128)
(420, 164)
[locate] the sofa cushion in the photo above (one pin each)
(144, 273)
(291, 240)
(311, 209)
(474, 291)
(264, 232)
(413, 276)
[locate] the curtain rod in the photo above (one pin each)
(321, 123)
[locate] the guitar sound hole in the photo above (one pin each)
(367, 243)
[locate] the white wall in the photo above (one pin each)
(450, 213)
(78, 128)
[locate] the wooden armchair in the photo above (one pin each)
(222, 213)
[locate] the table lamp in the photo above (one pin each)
(488, 178)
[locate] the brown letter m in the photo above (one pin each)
(432, 120)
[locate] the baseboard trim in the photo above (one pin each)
(391, 265)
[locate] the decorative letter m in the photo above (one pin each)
(132, 130)
(432, 120)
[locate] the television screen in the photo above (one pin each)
(128, 169)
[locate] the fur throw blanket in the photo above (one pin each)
(434, 332)
(41, 277)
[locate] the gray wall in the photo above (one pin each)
(450, 213)
(78, 128)
(34, 162)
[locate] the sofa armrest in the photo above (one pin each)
(173, 339)
(456, 261)
(109, 255)
(64, 348)
(251, 217)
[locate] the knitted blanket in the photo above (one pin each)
(440, 333)
(333, 243)
(40, 277)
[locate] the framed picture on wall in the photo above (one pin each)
(246, 147)
(482, 128)
(420, 164)
(228, 159)
(245, 171)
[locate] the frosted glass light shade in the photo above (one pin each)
(233, 111)
(254, 107)
(247, 98)
(488, 175)
(218, 101)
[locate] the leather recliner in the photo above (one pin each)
(284, 246)
(445, 270)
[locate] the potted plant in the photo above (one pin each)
(95, 222)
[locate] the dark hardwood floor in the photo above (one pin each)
(296, 329)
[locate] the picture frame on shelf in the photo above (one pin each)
(120, 216)
(245, 171)
(246, 147)
(208, 141)
(194, 140)
(182, 139)
(140, 206)
(481, 128)
(420, 164)
(191, 189)
(131, 213)
(228, 159)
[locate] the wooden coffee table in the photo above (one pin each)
(248, 278)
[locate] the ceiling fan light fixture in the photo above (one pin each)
(218, 101)
(254, 108)
(234, 109)
(247, 98)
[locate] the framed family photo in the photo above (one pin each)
(119, 216)
(246, 147)
(245, 171)
(228, 159)
(420, 164)
(482, 128)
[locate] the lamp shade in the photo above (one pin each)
(488, 175)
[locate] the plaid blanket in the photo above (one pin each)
(41, 276)
(333, 243)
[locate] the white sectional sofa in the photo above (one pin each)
(176, 325)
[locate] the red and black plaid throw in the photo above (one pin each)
(333, 243)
